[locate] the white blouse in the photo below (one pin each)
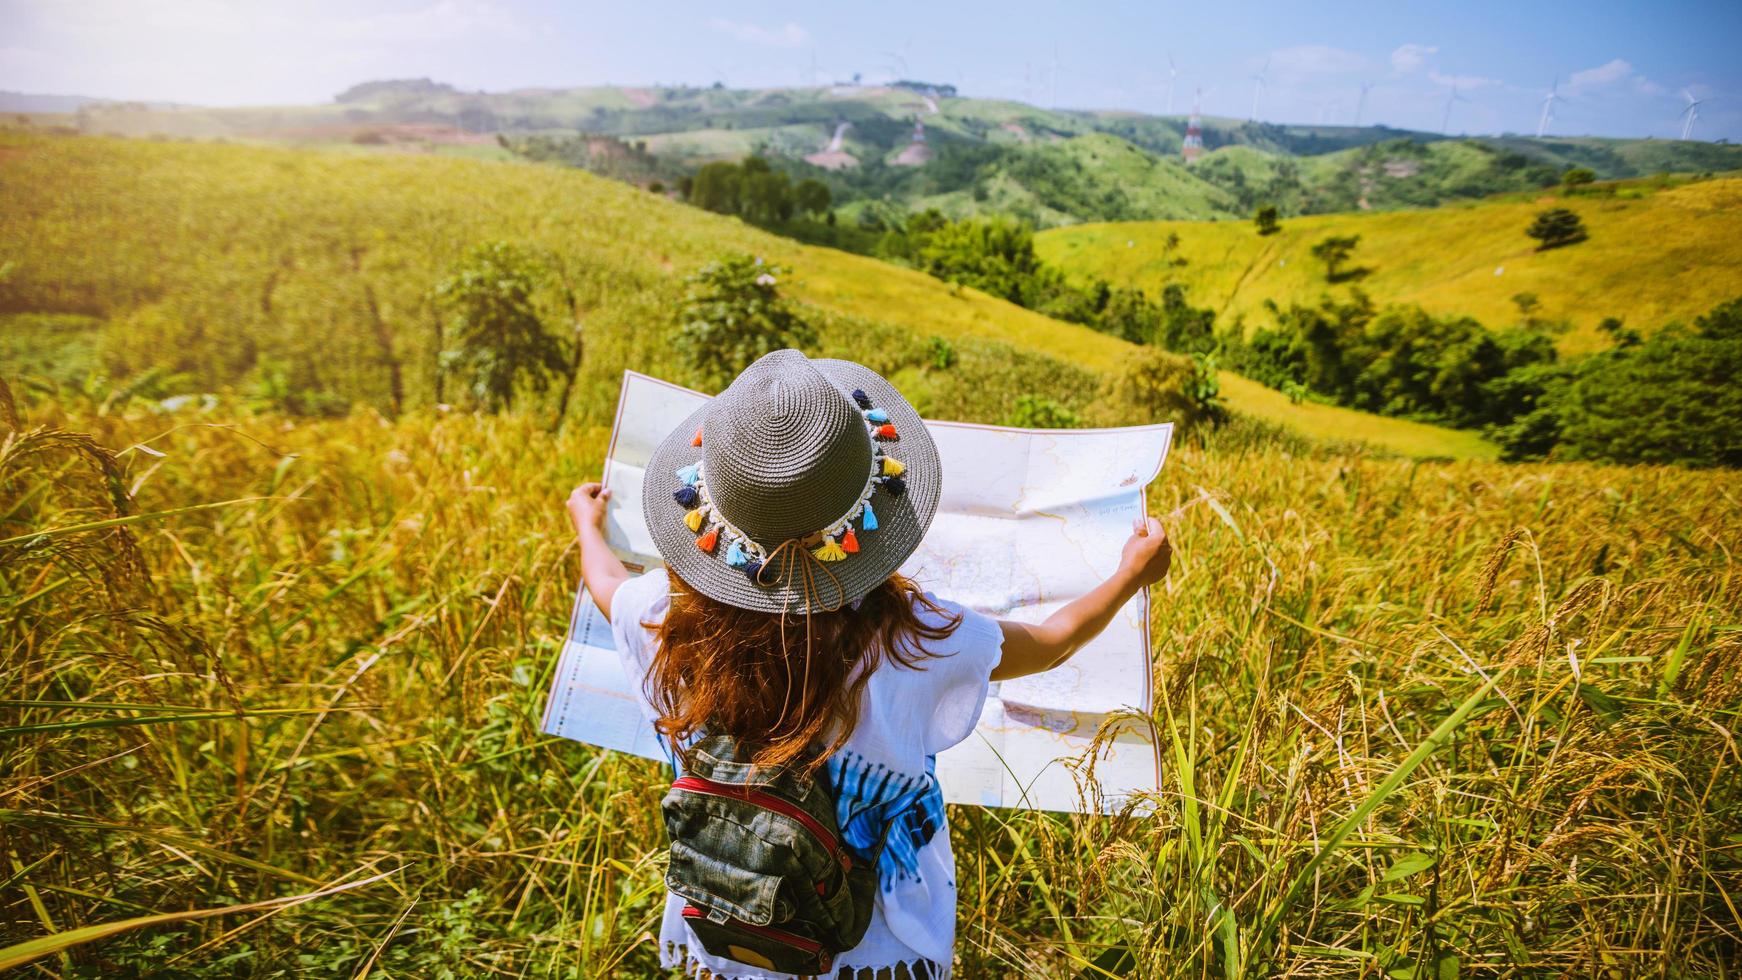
(883, 773)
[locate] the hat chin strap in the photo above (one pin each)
(805, 564)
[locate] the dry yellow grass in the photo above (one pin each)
(1461, 717)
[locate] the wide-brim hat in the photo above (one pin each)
(801, 487)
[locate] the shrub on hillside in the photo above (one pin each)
(1556, 227)
(1037, 412)
(734, 313)
(1265, 219)
(1157, 386)
(496, 340)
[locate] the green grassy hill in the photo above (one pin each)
(1053, 183)
(329, 260)
(1049, 166)
(1653, 256)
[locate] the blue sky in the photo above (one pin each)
(1622, 67)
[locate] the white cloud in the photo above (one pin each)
(787, 35)
(1461, 81)
(1316, 59)
(1605, 74)
(1409, 58)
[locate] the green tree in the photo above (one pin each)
(995, 255)
(1671, 398)
(734, 313)
(498, 336)
(812, 196)
(1265, 219)
(1334, 251)
(1129, 315)
(1556, 227)
(716, 187)
(1185, 329)
(765, 195)
(1577, 177)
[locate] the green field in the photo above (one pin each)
(1653, 256)
(121, 230)
(273, 680)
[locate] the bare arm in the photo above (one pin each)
(601, 570)
(1031, 648)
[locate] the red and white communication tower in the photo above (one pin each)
(1193, 147)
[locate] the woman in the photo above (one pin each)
(783, 510)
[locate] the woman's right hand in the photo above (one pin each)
(1147, 554)
(587, 507)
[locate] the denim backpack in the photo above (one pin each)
(757, 856)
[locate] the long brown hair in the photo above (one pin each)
(785, 681)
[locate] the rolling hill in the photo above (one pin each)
(980, 156)
(330, 259)
(1653, 255)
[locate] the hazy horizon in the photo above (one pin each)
(1481, 69)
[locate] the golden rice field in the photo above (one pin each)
(1653, 256)
(1433, 720)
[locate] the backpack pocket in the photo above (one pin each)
(721, 859)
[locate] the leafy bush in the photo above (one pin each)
(941, 352)
(734, 313)
(498, 339)
(1161, 387)
(1265, 219)
(1555, 228)
(1036, 412)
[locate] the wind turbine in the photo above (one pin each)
(1172, 73)
(1258, 87)
(1689, 114)
(1453, 96)
(1361, 103)
(1548, 102)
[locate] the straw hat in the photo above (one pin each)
(801, 487)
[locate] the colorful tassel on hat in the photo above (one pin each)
(698, 439)
(886, 431)
(691, 474)
(735, 555)
(707, 541)
(850, 541)
(693, 519)
(893, 466)
(863, 399)
(868, 518)
(686, 496)
(877, 415)
(753, 571)
(895, 485)
(830, 551)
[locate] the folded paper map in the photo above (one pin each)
(1029, 519)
